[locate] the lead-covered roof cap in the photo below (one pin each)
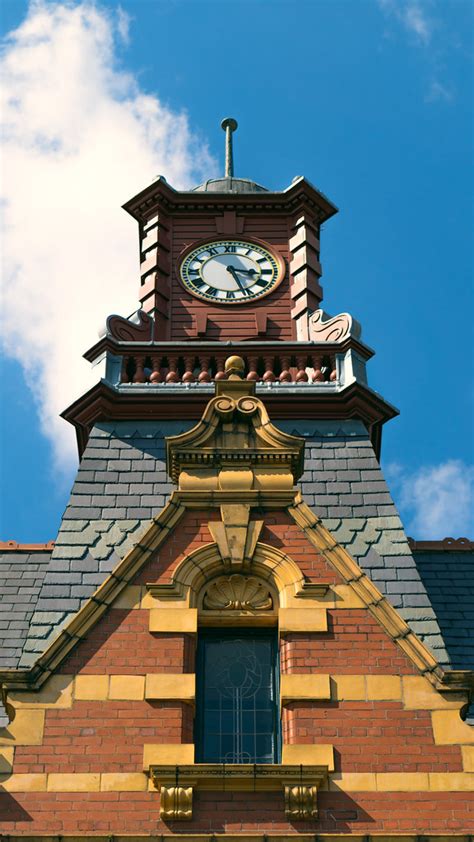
(229, 185)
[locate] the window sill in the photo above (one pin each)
(261, 777)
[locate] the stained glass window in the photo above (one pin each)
(237, 711)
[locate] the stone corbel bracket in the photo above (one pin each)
(300, 784)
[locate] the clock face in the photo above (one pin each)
(231, 271)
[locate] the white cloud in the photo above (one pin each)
(412, 16)
(79, 138)
(436, 501)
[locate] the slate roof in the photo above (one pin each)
(21, 576)
(449, 581)
(122, 482)
(344, 484)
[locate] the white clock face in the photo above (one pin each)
(231, 271)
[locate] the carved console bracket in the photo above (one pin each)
(176, 784)
(301, 802)
(176, 803)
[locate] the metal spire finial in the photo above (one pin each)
(229, 125)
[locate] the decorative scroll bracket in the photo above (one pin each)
(325, 328)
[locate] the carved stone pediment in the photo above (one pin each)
(235, 447)
(237, 593)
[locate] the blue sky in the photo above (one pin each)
(371, 100)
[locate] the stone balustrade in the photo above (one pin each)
(201, 367)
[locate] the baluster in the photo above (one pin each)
(172, 376)
(188, 376)
(269, 376)
(220, 373)
(124, 376)
(155, 376)
(285, 376)
(318, 374)
(204, 376)
(139, 376)
(253, 373)
(301, 376)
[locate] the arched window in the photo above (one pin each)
(237, 670)
(237, 710)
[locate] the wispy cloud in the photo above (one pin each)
(435, 501)
(424, 28)
(413, 17)
(438, 91)
(79, 138)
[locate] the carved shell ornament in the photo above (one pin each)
(238, 593)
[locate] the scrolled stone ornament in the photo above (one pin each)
(225, 407)
(247, 406)
(128, 330)
(325, 328)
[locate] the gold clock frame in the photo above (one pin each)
(279, 260)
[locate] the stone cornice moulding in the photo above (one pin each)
(161, 196)
(104, 402)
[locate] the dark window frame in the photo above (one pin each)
(236, 633)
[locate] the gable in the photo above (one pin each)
(108, 709)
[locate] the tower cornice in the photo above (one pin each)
(104, 402)
(160, 195)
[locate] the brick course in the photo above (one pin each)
(138, 812)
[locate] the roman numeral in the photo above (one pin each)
(212, 291)
(261, 284)
(230, 249)
(230, 294)
(199, 283)
(262, 260)
(193, 271)
(212, 251)
(266, 272)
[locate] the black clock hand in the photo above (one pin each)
(236, 279)
(246, 271)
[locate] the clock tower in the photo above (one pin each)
(231, 634)
(231, 267)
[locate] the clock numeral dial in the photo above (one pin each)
(231, 271)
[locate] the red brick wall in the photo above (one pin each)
(354, 644)
(138, 812)
(230, 322)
